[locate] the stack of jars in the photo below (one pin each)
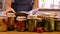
(29, 23)
(21, 23)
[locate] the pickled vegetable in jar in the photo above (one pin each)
(3, 23)
(21, 23)
(48, 23)
(39, 22)
(57, 24)
(11, 21)
(31, 23)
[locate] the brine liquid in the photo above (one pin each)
(31, 25)
(21, 26)
(11, 21)
(3, 25)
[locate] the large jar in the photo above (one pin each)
(21, 23)
(11, 21)
(3, 23)
(57, 24)
(48, 23)
(31, 23)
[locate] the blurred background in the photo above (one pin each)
(43, 4)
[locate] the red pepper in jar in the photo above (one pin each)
(20, 23)
(5, 22)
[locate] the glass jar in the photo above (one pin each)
(39, 20)
(11, 21)
(3, 23)
(21, 23)
(48, 23)
(57, 24)
(31, 23)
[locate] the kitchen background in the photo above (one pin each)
(47, 4)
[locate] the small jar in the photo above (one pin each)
(31, 23)
(21, 23)
(48, 23)
(3, 23)
(11, 21)
(39, 20)
(57, 24)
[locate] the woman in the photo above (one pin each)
(20, 5)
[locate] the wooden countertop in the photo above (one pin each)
(29, 33)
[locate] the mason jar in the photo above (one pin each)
(48, 23)
(21, 23)
(11, 21)
(57, 24)
(3, 23)
(31, 23)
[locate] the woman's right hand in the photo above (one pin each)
(9, 10)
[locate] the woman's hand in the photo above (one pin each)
(9, 10)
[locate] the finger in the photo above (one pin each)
(13, 11)
(6, 12)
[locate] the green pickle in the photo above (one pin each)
(31, 23)
(48, 24)
(57, 24)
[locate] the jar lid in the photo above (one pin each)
(3, 16)
(49, 16)
(32, 17)
(21, 18)
(49, 13)
(10, 14)
(57, 17)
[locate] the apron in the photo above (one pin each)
(22, 5)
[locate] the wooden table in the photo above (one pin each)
(29, 33)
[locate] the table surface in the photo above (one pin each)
(29, 33)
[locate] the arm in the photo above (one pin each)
(35, 4)
(7, 6)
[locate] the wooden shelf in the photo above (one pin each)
(49, 9)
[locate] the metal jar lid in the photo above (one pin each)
(21, 18)
(10, 15)
(3, 16)
(57, 18)
(32, 17)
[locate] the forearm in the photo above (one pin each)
(7, 4)
(35, 4)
